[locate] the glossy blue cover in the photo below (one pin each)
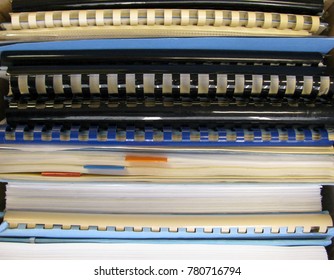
(303, 44)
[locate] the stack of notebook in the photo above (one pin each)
(114, 145)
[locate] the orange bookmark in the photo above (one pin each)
(61, 174)
(145, 159)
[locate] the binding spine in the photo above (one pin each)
(166, 84)
(150, 135)
(214, 230)
(166, 17)
(315, 223)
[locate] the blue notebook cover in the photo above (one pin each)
(312, 44)
(111, 235)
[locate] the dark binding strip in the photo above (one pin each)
(330, 251)
(170, 68)
(178, 113)
(4, 87)
(328, 205)
(2, 198)
(282, 6)
(328, 199)
(14, 59)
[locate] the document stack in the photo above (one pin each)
(166, 129)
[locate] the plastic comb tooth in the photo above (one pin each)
(275, 230)
(225, 230)
(173, 229)
(66, 227)
(119, 228)
(242, 230)
(191, 230)
(155, 229)
(84, 227)
(138, 229)
(323, 229)
(307, 229)
(258, 230)
(48, 226)
(208, 230)
(291, 229)
(31, 226)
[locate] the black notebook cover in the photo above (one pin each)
(282, 6)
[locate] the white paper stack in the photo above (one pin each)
(131, 251)
(172, 198)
